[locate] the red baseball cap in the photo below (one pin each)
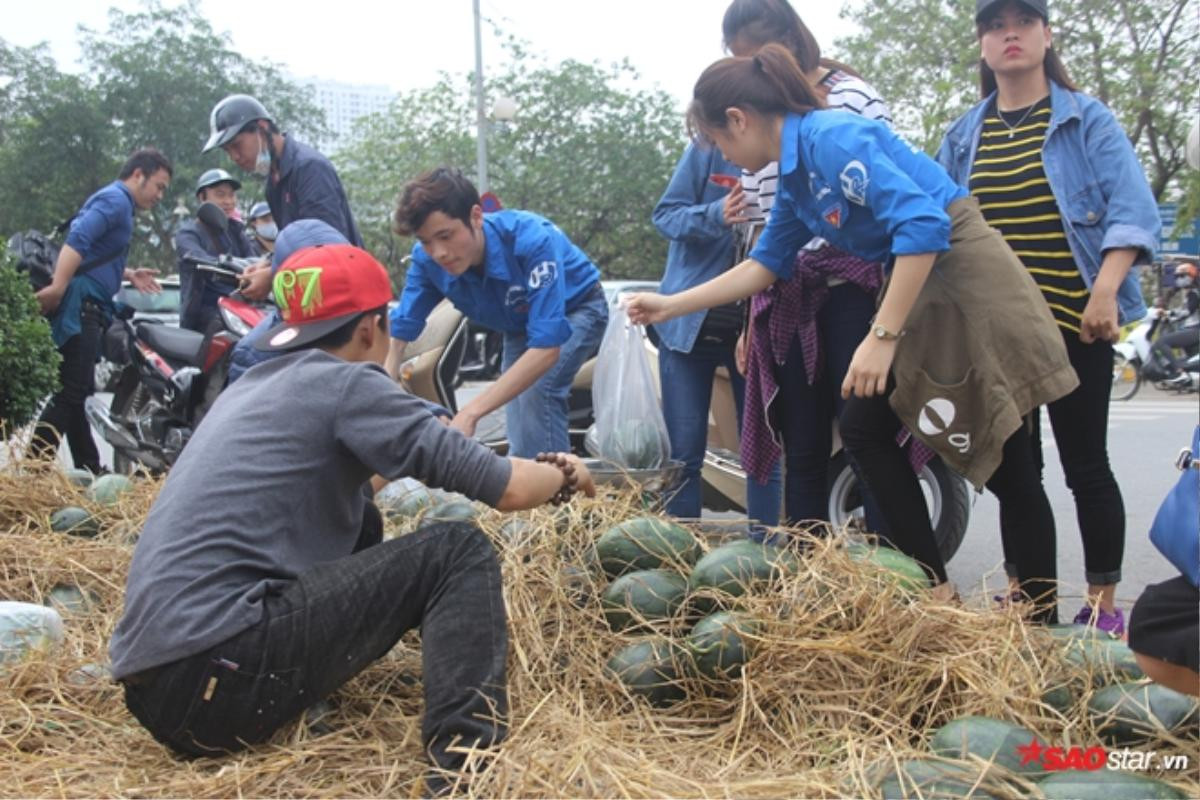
(319, 289)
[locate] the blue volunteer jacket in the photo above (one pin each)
(691, 214)
(533, 275)
(1096, 180)
(855, 183)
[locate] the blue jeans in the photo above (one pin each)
(537, 417)
(687, 381)
(325, 626)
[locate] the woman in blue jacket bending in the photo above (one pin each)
(1056, 175)
(958, 351)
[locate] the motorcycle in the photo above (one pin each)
(1135, 362)
(431, 369)
(172, 378)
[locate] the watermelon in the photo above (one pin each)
(733, 568)
(650, 668)
(68, 599)
(75, 521)
(721, 643)
(79, 477)
(902, 570)
(643, 598)
(515, 529)
(1128, 713)
(90, 674)
(1060, 698)
(451, 511)
(1097, 652)
(645, 543)
(578, 584)
(107, 489)
(638, 444)
(25, 626)
(1106, 784)
(990, 739)
(403, 499)
(928, 778)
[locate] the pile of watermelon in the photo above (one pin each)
(662, 582)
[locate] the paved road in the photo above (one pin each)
(1144, 436)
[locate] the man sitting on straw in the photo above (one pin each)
(260, 583)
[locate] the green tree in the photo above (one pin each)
(1140, 57)
(28, 359)
(584, 152)
(150, 79)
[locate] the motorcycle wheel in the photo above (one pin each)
(1126, 377)
(129, 399)
(946, 494)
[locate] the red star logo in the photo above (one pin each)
(1030, 752)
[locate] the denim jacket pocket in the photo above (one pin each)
(1086, 206)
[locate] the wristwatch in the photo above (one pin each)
(883, 333)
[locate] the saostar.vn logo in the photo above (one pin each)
(1055, 759)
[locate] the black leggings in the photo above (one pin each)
(869, 429)
(1080, 424)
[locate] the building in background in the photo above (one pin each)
(343, 103)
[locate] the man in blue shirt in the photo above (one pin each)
(514, 272)
(197, 240)
(301, 183)
(88, 273)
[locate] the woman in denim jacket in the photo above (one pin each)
(1054, 172)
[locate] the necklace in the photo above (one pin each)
(1012, 129)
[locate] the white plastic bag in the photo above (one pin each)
(629, 420)
(25, 626)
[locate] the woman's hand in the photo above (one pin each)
(1100, 319)
(647, 308)
(869, 368)
(741, 351)
(734, 210)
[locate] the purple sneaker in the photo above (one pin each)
(1113, 624)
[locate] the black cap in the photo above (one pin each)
(984, 8)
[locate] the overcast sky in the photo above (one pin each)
(403, 44)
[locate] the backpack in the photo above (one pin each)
(35, 254)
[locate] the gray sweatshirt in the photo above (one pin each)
(270, 484)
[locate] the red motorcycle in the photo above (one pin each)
(171, 380)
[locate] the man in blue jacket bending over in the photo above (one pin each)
(514, 272)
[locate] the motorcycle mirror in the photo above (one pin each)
(212, 216)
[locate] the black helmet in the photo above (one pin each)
(259, 209)
(212, 177)
(229, 117)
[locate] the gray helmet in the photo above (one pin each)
(229, 117)
(259, 209)
(212, 177)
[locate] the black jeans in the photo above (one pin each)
(808, 410)
(869, 426)
(64, 414)
(330, 623)
(1080, 424)
(869, 432)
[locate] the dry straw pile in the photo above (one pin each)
(850, 675)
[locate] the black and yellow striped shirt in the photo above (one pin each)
(1014, 195)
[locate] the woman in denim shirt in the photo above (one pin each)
(1028, 151)
(692, 347)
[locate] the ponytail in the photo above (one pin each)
(770, 83)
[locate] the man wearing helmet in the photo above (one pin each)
(262, 228)
(195, 239)
(301, 183)
(1165, 353)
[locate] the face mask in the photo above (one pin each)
(262, 164)
(267, 230)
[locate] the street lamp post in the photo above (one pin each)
(480, 112)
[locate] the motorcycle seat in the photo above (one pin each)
(174, 344)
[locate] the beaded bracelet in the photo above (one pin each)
(569, 477)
